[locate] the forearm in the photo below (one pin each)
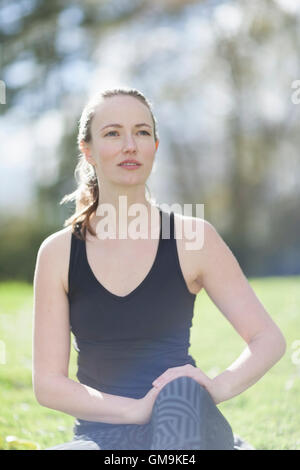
(83, 402)
(257, 358)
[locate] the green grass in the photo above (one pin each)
(267, 414)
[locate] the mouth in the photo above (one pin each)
(130, 164)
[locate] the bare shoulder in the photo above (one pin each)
(200, 242)
(196, 223)
(55, 251)
(190, 236)
(193, 230)
(57, 241)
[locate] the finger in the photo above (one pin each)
(166, 379)
(154, 390)
(162, 378)
(158, 382)
(174, 372)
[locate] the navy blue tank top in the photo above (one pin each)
(124, 343)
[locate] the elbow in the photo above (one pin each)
(40, 394)
(283, 346)
(277, 341)
(47, 388)
(280, 343)
(43, 390)
(274, 339)
(41, 401)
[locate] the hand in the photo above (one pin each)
(140, 410)
(188, 370)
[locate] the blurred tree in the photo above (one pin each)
(220, 74)
(48, 36)
(45, 37)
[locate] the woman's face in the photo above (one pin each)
(128, 139)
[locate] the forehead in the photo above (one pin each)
(122, 110)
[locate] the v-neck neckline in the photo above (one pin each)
(126, 297)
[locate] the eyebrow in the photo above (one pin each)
(119, 125)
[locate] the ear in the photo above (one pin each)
(156, 145)
(85, 150)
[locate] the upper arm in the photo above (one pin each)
(228, 287)
(51, 329)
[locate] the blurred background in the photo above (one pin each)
(224, 81)
(220, 77)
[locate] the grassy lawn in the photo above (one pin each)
(267, 414)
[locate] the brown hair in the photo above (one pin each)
(86, 196)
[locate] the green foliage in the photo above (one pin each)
(20, 238)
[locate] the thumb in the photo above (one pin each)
(153, 392)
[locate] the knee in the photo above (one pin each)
(184, 383)
(185, 380)
(189, 381)
(186, 390)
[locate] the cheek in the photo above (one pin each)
(148, 151)
(149, 158)
(106, 150)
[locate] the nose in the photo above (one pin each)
(129, 144)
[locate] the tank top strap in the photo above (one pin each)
(172, 230)
(170, 258)
(75, 261)
(167, 225)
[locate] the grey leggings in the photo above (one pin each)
(184, 416)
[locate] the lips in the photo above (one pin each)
(129, 161)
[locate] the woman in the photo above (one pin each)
(129, 302)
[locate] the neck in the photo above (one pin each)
(118, 195)
(118, 208)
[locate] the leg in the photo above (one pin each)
(109, 436)
(185, 417)
(76, 444)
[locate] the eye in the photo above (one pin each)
(146, 132)
(110, 132)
